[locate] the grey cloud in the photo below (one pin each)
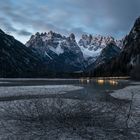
(24, 33)
(109, 17)
(7, 25)
(10, 28)
(78, 32)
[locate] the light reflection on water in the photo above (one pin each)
(111, 82)
(84, 80)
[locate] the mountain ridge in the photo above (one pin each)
(47, 54)
(16, 60)
(129, 58)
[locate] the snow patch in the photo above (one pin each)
(58, 50)
(90, 53)
(48, 55)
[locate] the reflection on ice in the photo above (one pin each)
(84, 80)
(110, 82)
(113, 82)
(100, 81)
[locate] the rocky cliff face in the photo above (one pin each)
(16, 60)
(131, 51)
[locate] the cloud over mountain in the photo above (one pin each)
(106, 17)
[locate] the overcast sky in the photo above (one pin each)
(21, 18)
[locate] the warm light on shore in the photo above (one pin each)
(113, 82)
(82, 80)
(100, 81)
(88, 80)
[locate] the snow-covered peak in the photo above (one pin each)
(92, 46)
(98, 40)
(54, 42)
(50, 40)
(56, 47)
(119, 43)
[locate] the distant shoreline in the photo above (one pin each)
(69, 78)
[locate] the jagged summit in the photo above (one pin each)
(58, 49)
(92, 46)
(89, 41)
(135, 32)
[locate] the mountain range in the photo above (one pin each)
(52, 54)
(65, 54)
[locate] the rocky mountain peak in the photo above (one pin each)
(55, 47)
(92, 46)
(132, 40)
(72, 36)
(37, 34)
(96, 40)
(135, 32)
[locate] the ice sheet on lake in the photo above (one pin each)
(38, 79)
(128, 93)
(37, 90)
(3, 82)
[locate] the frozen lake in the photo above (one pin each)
(83, 89)
(60, 109)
